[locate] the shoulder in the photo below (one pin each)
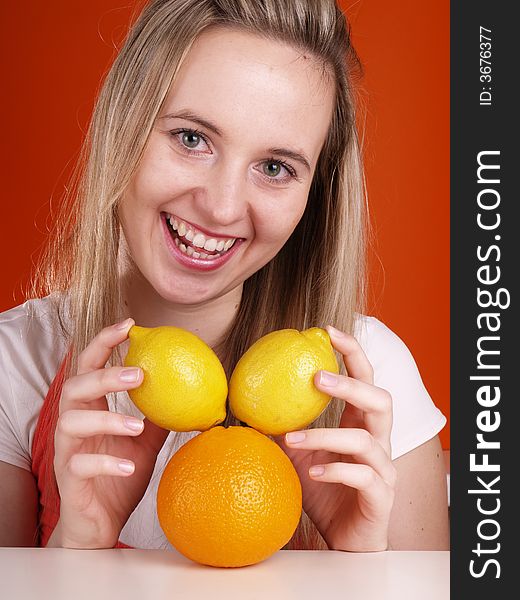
(416, 418)
(32, 331)
(31, 348)
(377, 340)
(389, 356)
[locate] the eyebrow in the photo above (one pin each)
(190, 116)
(291, 154)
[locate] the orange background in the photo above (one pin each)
(54, 54)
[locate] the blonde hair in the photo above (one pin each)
(317, 278)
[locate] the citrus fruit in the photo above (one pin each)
(272, 388)
(184, 386)
(229, 497)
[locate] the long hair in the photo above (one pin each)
(317, 278)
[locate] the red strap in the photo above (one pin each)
(43, 458)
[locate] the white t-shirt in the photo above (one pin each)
(31, 351)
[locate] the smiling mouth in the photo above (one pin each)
(194, 243)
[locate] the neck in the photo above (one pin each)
(209, 320)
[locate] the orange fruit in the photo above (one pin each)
(229, 497)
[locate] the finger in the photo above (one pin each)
(82, 389)
(355, 359)
(82, 467)
(377, 494)
(97, 353)
(87, 423)
(358, 443)
(74, 426)
(374, 402)
(86, 466)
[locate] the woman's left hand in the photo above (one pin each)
(351, 500)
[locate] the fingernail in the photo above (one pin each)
(316, 471)
(130, 375)
(328, 379)
(334, 331)
(133, 424)
(294, 437)
(124, 324)
(126, 466)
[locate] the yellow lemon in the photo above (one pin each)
(272, 388)
(184, 386)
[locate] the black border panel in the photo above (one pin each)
(485, 267)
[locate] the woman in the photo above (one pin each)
(222, 192)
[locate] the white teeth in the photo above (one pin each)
(171, 221)
(228, 244)
(210, 244)
(199, 240)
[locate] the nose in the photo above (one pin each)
(223, 197)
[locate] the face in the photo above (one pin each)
(227, 170)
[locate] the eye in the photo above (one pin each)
(272, 168)
(189, 139)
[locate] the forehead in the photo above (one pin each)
(239, 80)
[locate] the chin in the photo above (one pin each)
(177, 291)
(183, 296)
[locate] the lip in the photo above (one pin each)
(196, 264)
(205, 231)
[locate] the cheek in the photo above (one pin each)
(129, 225)
(124, 212)
(276, 222)
(149, 186)
(158, 176)
(135, 218)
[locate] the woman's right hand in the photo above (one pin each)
(103, 460)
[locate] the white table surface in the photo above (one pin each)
(60, 574)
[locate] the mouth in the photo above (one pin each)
(194, 243)
(196, 249)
